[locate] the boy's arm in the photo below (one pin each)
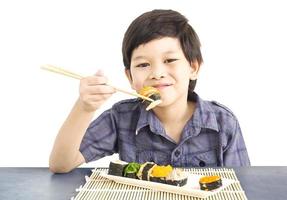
(65, 154)
(235, 154)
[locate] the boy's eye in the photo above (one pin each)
(170, 60)
(142, 65)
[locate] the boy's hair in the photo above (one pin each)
(162, 23)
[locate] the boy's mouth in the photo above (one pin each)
(161, 86)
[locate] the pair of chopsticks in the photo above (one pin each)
(68, 73)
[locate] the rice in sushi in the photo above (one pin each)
(177, 177)
(208, 183)
(168, 175)
(159, 173)
(149, 171)
(144, 169)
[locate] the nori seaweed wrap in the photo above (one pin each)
(208, 183)
(179, 182)
(177, 177)
(159, 173)
(116, 168)
(155, 96)
(150, 171)
(168, 175)
(144, 169)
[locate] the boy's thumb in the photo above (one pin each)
(99, 73)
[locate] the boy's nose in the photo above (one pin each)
(157, 72)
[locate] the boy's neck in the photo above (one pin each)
(175, 117)
(175, 113)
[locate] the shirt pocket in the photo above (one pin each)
(143, 156)
(204, 159)
(157, 157)
(161, 158)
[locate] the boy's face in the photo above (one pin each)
(161, 63)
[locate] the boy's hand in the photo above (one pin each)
(94, 91)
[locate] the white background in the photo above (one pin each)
(244, 47)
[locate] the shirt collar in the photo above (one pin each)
(203, 117)
(148, 118)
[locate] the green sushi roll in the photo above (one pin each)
(116, 168)
(131, 170)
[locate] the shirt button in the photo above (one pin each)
(177, 153)
(202, 163)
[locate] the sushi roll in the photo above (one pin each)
(177, 177)
(152, 93)
(116, 168)
(208, 183)
(159, 173)
(168, 175)
(131, 170)
(144, 170)
(148, 171)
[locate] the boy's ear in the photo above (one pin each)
(129, 76)
(194, 70)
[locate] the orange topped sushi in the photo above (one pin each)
(208, 183)
(153, 94)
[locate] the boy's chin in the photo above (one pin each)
(165, 102)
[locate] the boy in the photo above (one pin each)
(160, 49)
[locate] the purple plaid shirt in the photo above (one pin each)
(212, 137)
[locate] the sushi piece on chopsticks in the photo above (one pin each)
(208, 183)
(153, 94)
(71, 74)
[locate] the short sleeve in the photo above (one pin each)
(100, 138)
(235, 153)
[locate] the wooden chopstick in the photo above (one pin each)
(68, 73)
(61, 71)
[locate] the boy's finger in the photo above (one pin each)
(102, 89)
(96, 80)
(100, 72)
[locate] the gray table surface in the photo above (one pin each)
(39, 183)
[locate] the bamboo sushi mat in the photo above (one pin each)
(98, 187)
